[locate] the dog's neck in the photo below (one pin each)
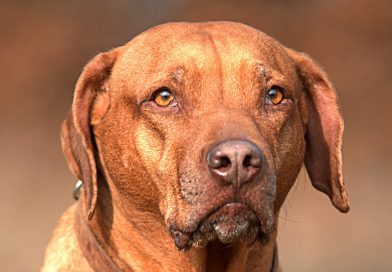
(119, 242)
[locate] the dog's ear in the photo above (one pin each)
(76, 135)
(324, 131)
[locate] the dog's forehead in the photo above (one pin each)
(207, 48)
(197, 39)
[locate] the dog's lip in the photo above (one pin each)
(216, 211)
(230, 206)
(234, 204)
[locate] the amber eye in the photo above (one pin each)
(163, 97)
(275, 95)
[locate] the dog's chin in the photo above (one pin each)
(228, 224)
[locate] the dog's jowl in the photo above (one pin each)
(187, 141)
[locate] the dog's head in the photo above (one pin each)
(207, 124)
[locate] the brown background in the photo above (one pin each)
(44, 45)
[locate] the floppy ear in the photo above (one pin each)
(324, 130)
(76, 136)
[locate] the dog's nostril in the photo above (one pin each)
(216, 160)
(247, 161)
(224, 162)
(252, 161)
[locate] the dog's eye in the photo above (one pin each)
(275, 95)
(163, 97)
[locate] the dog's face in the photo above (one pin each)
(208, 124)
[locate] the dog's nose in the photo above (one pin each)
(235, 161)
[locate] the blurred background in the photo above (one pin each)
(45, 44)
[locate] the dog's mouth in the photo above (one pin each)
(228, 223)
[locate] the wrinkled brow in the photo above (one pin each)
(263, 72)
(177, 75)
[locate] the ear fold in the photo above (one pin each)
(323, 158)
(76, 136)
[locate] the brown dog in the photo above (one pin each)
(188, 140)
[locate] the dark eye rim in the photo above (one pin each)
(159, 91)
(279, 88)
(150, 105)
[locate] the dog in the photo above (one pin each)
(187, 141)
